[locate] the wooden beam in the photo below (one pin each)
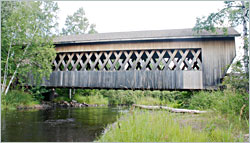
(175, 110)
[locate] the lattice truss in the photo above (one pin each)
(176, 59)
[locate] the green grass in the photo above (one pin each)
(16, 98)
(92, 100)
(147, 100)
(227, 103)
(162, 126)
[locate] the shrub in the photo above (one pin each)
(61, 98)
(231, 104)
(80, 98)
(204, 99)
(38, 91)
(176, 99)
(121, 97)
(236, 99)
(87, 92)
(93, 100)
(237, 79)
(227, 102)
(62, 91)
(129, 97)
(16, 98)
(148, 100)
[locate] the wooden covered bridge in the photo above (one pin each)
(159, 59)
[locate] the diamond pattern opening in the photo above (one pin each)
(163, 59)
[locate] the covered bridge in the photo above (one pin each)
(158, 59)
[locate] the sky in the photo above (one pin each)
(119, 16)
(110, 16)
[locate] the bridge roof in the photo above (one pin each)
(143, 35)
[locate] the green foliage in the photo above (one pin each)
(172, 98)
(63, 95)
(78, 24)
(92, 29)
(27, 31)
(89, 96)
(120, 97)
(81, 99)
(17, 98)
(204, 100)
(148, 100)
(237, 79)
(228, 103)
(38, 92)
(87, 92)
(62, 91)
(61, 98)
(231, 14)
(92, 100)
(128, 97)
(162, 126)
(231, 103)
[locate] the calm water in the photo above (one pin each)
(62, 125)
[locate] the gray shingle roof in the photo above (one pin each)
(142, 35)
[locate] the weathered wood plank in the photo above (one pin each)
(107, 57)
(79, 56)
(216, 55)
(127, 79)
(70, 56)
(131, 46)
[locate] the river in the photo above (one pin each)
(56, 125)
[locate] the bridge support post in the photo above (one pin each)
(70, 90)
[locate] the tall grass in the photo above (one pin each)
(148, 100)
(93, 100)
(228, 104)
(16, 98)
(129, 97)
(161, 126)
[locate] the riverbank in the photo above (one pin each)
(50, 104)
(18, 100)
(228, 111)
(163, 126)
(227, 119)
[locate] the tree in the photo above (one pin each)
(27, 47)
(92, 29)
(78, 24)
(233, 14)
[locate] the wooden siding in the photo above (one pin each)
(126, 79)
(170, 44)
(216, 55)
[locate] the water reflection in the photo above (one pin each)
(62, 125)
